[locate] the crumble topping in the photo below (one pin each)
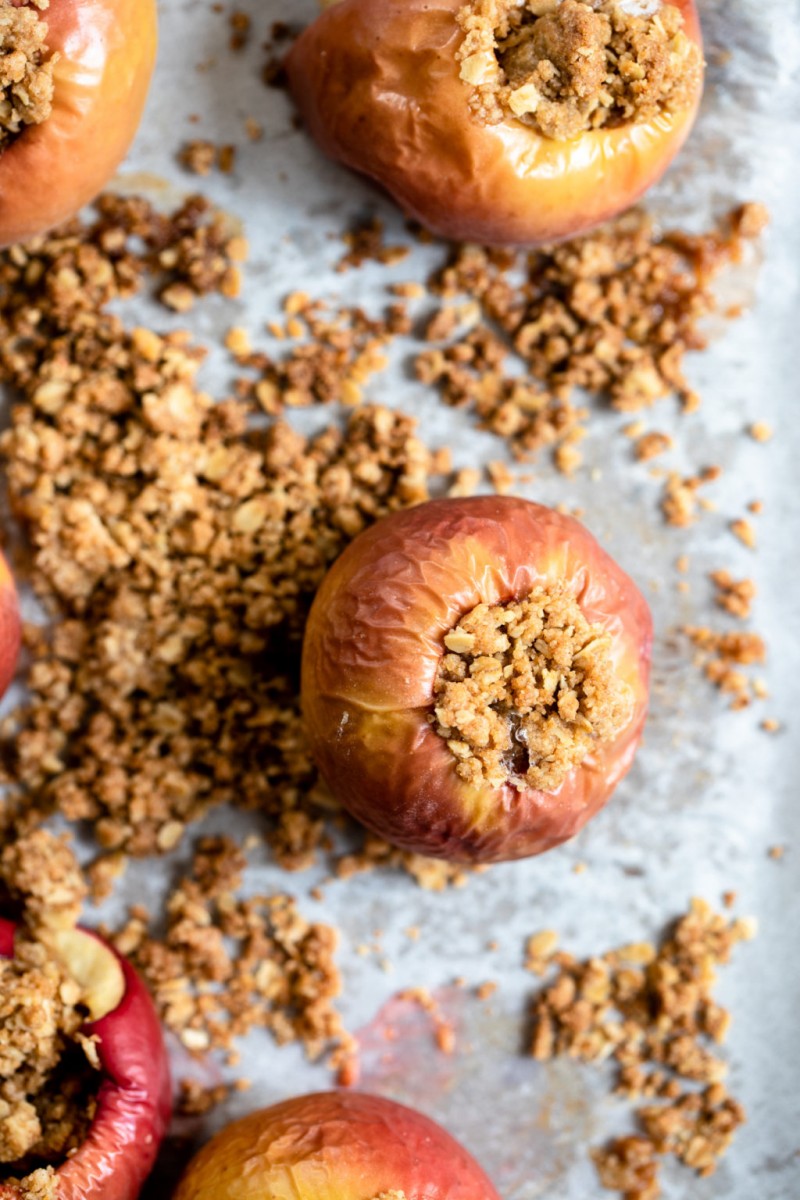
(26, 69)
(651, 1009)
(567, 66)
(526, 688)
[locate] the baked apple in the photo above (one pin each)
(334, 1146)
(10, 626)
(475, 678)
(86, 1094)
(74, 76)
(502, 121)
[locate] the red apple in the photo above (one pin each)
(334, 1146)
(134, 1103)
(374, 644)
(10, 626)
(107, 51)
(378, 85)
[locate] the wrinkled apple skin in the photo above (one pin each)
(377, 85)
(10, 626)
(372, 649)
(334, 1146)
(108, 50)
(134, 1102)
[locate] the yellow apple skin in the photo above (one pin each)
(334, 1146)
(372, 649)
(107, 52)
(378, 87)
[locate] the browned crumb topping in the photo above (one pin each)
(241, 24)
(736, 596)
(365, 243)
(26, 69)
(744, 531)
(195, 1099)
(391, 1195)
(41, 875)
(719, 656)
(612, 313)
(227, 964)
(651, 445)
(40, 1184)
(651, 1009)
(567, 66)
(201, 157)
(681, 500)
(525, 689)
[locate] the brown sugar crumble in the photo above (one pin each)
(736, 596)
(228, 964)
(720, 655)
(565, 68)
(650, 1008)
(26, 69)
(525, 689)
(202, 157)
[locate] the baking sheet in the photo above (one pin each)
(710, 792)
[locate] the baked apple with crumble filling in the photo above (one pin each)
(334, 1146)
(510, 122)
(475, 678)
(74, 76)
(85, 1094)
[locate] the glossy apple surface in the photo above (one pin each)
(107, 51)
(134, 1103)
(372, 649)
(334, 1146)
(10, 626)
(377, 84)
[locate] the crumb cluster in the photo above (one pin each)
(228, 964)
(721, 655)
(568, 66)
(525, 689)
(26, 69)
(651, 1009)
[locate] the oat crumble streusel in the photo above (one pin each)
(650, 1008)
(525, 689)
(568, 66)
(26, 69)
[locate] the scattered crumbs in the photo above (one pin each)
(734, 595)
(729, 899)
(202, 157)
(579, 868)
(365, 243)
(680, 500)
(682, 563)
(196, 1099)
(539, 951)
(241, 25)
(771, 725)
(760, 431)
(650, 445)
(776, 853)
(444, 1033)
(253, 129)
(719, 656)
(650, 1009)
(756, 507)
(486, 990)
(413, 933)
(744, 531)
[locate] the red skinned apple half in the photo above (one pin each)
(334, 1146)
(107, 51)
(10, 626)
(378, 85)
(373, 649)
(134, 1103)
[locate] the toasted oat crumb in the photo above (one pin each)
(41, 874)
(735, 596)
(760, 431)
(524, 689)
(201, 157)
(721, 653)
(365, 243)
(651, 1009)
(680, 499)
(276, 968)
(770, 725)
(241, 26)
(651, 445)
(744, 531)
(196, 1099)
(575, 66)
(26, 69)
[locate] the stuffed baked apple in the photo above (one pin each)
(334, 1146)
(502, 121)
(74, 76)
(475, 678)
